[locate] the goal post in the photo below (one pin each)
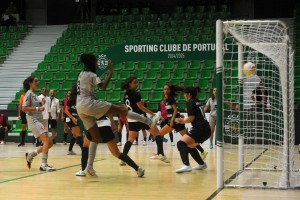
(255, 113)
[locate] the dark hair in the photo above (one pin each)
(192, 90)
(125, 84)
(89, 61)
(74, 92)
(26, 83)
(174, 89)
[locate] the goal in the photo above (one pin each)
(255, 112)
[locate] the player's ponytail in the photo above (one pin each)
(89, 61)
(26, 83)
(193, 91)
(174, 89)
(125, 84)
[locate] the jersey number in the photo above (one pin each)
(127, 103)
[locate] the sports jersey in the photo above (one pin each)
(131, 98)
(194, 108)
(103, 121)
(213, 106)
(31, 100)
(169, 102)
(64, 104)
(72, 105)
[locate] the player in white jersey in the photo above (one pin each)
(32, 105)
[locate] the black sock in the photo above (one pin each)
(80, 141)
(120, 136)
(65, 137)
(195, 154)
(184, 152)
(128, 161)
(159, 143)
(84, 157)
(199, 148)
(127, 147)
(145, 139)
(34, 140)
(23, 135)
(171, 136)
(150, 137)
(71, 145)
(54, 142)
(137, 138)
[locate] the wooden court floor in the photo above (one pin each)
(116, 182)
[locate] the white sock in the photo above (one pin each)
(44, 159)
(92, 154)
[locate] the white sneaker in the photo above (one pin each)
(204, 154)
(122, 163)
(154, 156)
(200, 167)
(141, 172)
(119, 144)
(163, 158)
(2, 142)
(184, 168)
(71, 153)
(155, 119)
(144, 143)
(47, 168)
(92, 172)
(172, 144)
(80, 173)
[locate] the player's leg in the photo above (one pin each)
(84, 157)
(66, 132)
(53, 129)
(144, 137)
(76, 132)
(159, 142)
(212, 124)
(120, 128)
(24, 129)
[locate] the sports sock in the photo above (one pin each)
(120, 136)
(92, 154)
(159, 143)
(65, 137)
(171, 136)
(80, 141)
(44, 159)
(199, 148)
(195, 154)
(84, 157)
(137, 139)
(23, 135)
(184, 152)
(127, 147)
(140, 118)
(128, 161)
(72, 142)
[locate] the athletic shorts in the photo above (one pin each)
(212, 121)
(37, 127)
(70, 123)
(137, 126)
(23, 117)
(200, 133)
(106, 133)
(176, 127)
(52, 123)
(90, 113)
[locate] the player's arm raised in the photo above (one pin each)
(103, 85)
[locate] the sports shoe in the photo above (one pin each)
(28, 160)
(135, 142)
(140, 172)
(2, 142)
(184, 168)
(80, 173)
(172, 144)
(119, 144)
(144, 143)
(200, 167)
(154, 156)
(122, 163)
(155, 119)
(204, 154)
(47, 168)
(163, 158)
(21, 144)
(65, 142)
(92, 172)
(71, 153)
(211, 146)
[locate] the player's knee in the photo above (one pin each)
(181, 145)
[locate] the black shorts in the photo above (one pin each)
(176, 127)
(71, 125)
(137, 126)
(106, 133)
(200, 133)
(52, 123)
(23, 118)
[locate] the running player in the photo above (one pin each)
(72, 121)
(63, 116)
(198, 134)
(34, 108)
(132, 100)
(212, 105)
(90, 109)
(22, 117)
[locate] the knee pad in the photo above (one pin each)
(88, 136)
(181, 145)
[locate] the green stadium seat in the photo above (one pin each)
(66, 49)
(160, 85)
(192, 74)
(234, 65)
(156, 97)
(181, 97)
(60, 95)
(232, 83)
(42, 83)
(53, 86)
(117, 67)
(178, 74)
(78, 67)
(114, 76)
(145, 95)
(182, 64)
(3, 52)
(55, 49)
(10, 44)
(18, 128)
(143, 65)
(205, 74)
(202, 96)
(129, 65)
(203, 84)
(18, 95)
(168, 65)
(60, 76)
(165, 74)
(114, 96)
(209, 64)
(118, 84)
(66, 67)
(54, 67)
(214, 83)
(175, 81)
(179, 38)
(61, 58)
(101, 95)
(42, 67)
(155, 65)
(195, 64)
(139, 74)
(297, 72)
(66, 86)
(109, 86)
(124, 75)
(73, 58)
(192, 38)
(229, 97)
(49, 57)
(297, 83)
(147, 85)
(151, 74)
(47, 76)
(78, 49)
(188, 83)
(297, 95)
(72, 76)
(36, 74)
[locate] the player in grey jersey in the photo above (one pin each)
(32, 105)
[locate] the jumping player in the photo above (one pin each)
(34, 108)
(198, 134)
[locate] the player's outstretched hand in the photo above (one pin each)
(110, 65)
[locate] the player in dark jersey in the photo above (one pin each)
(198, 134)
(132, 100)
(64, 115)
(72, 121)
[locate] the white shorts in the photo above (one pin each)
(212, 121)
(37, 127)
(89, 114)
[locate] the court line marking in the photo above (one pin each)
(31, 175)
(236, 174)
